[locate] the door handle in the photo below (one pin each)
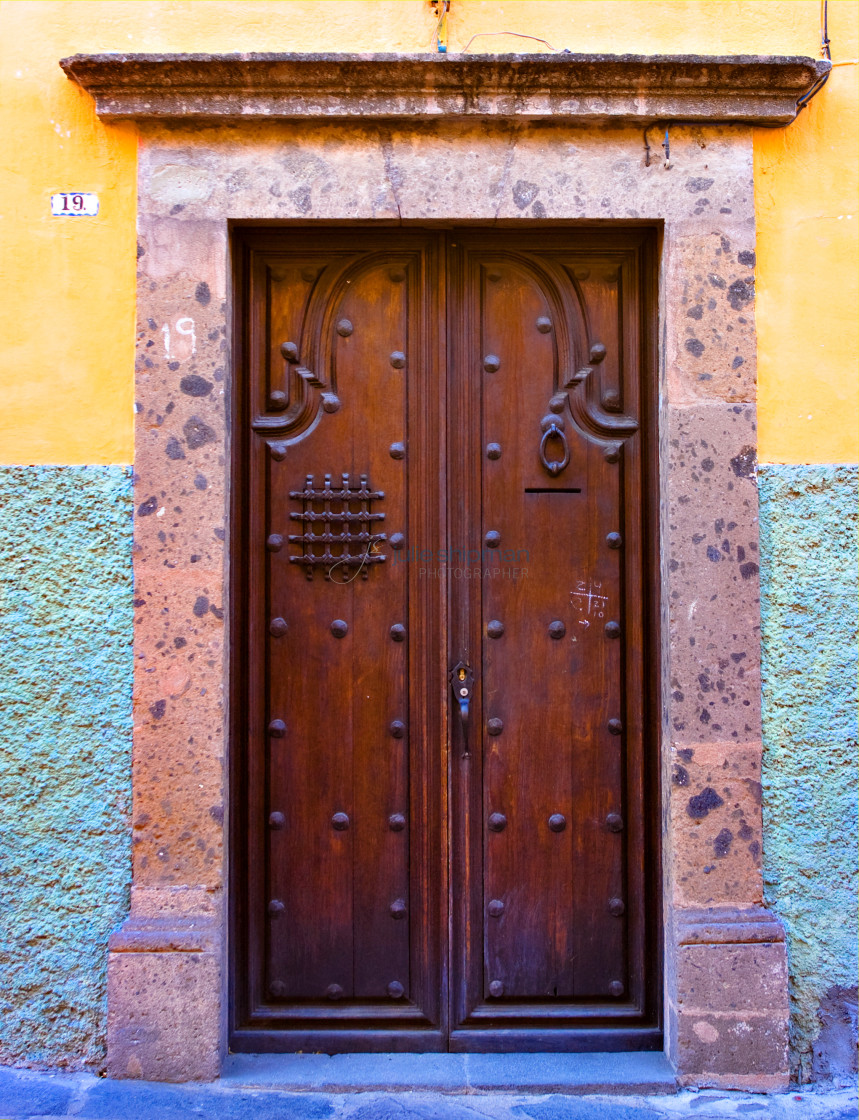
(553, 426)
(462, 686)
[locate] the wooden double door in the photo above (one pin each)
(443, 655)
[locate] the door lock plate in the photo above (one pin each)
(462, 685)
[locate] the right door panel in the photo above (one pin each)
(549, 831)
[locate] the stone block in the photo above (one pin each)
(598, 88)
(713, 563)
(730, 978)
(728, 1013)
(193, 248)
(727, 925)
(164, 1001)
(710, 328)
(178, 746)
(738, 1052)
(716, 824)
(273, 171)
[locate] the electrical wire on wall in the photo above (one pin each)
(516, 34)
(441, 9)
(800, 105)
(824, 50)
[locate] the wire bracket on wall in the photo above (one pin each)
(666, 147)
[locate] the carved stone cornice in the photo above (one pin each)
(587, 88)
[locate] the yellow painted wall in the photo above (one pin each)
(808, 265)
(67, 285)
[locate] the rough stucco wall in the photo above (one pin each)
(808, 584)
(65, 737)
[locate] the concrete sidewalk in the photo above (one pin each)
(27, 1095)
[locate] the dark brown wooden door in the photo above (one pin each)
(444, 827)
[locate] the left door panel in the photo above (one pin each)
(336, 424)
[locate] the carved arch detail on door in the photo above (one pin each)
(578, 354)
(312, 387)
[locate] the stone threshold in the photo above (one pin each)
(573, 1074)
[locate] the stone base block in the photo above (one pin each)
(728, 1009)
(741, 1082)
(164, 1000)
(732, 1051)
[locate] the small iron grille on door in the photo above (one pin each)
(336, 521)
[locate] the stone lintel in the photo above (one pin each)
(588, 88)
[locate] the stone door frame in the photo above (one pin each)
(281, 140)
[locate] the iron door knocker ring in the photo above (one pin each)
(553, 426)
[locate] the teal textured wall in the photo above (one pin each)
(65, 742)
(65, 753)
(809, 613)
